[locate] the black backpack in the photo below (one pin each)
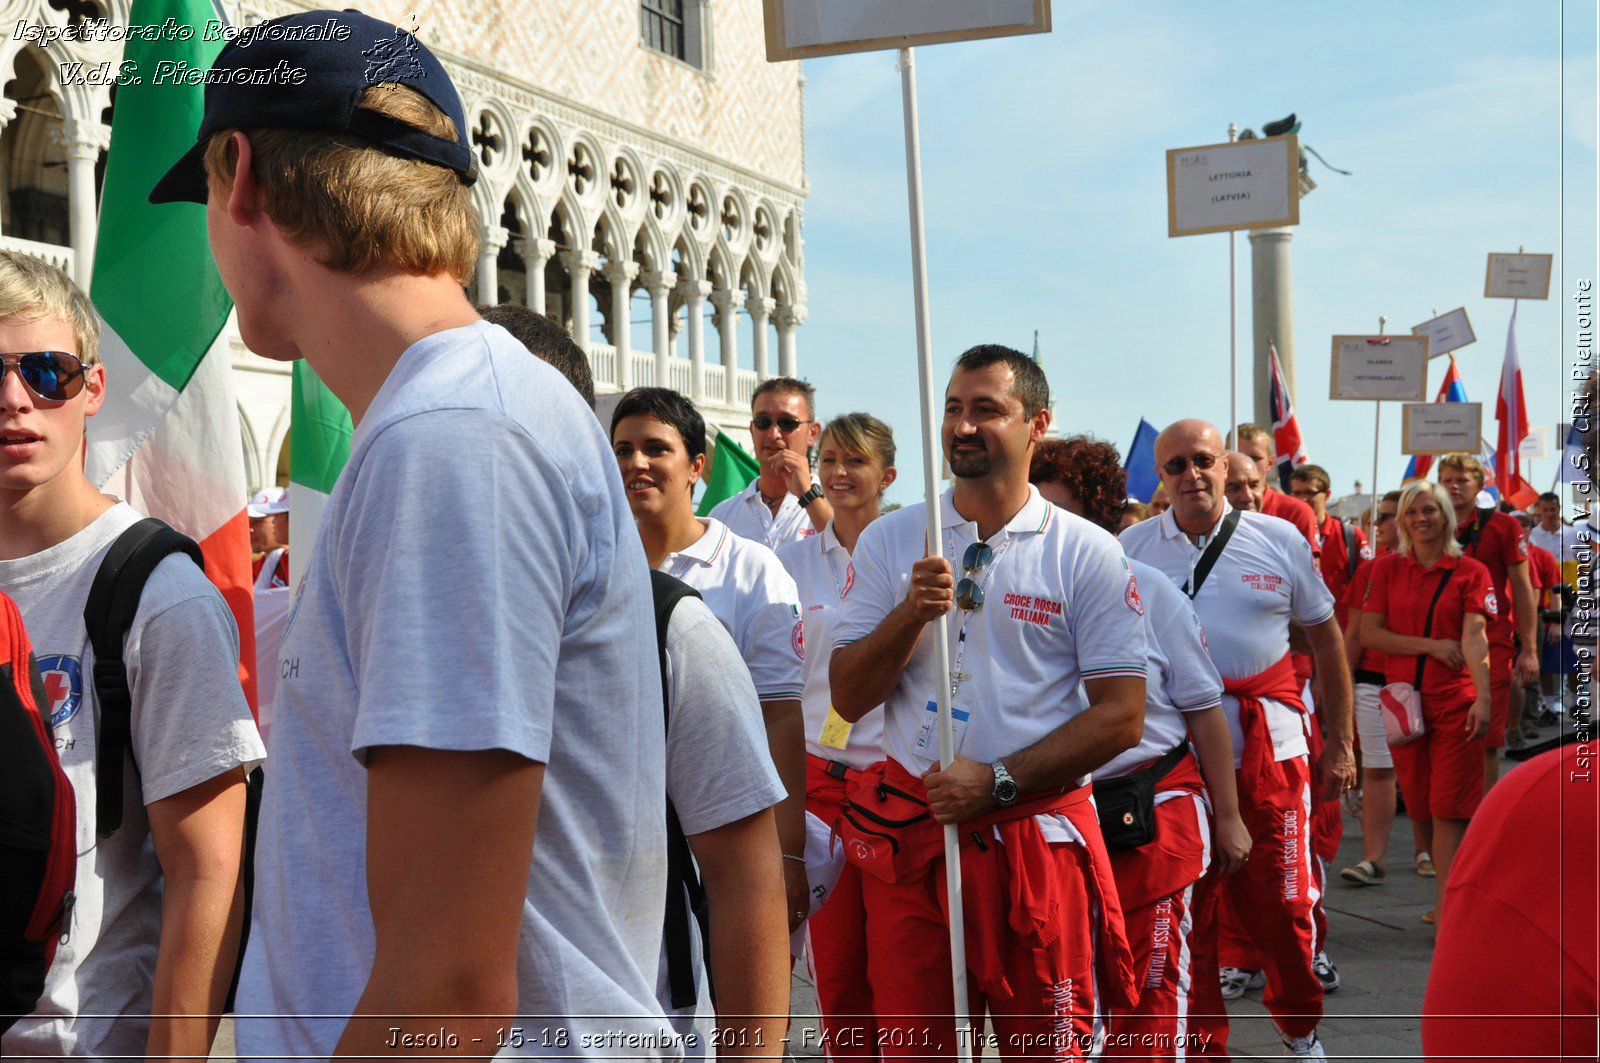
(38, 827)
(108, 614)
(686, 895)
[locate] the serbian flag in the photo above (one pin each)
(1286, 440)
(1451, 389)
(1512, 412)
(167, 440)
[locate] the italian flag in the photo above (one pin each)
(167, 440)
(319, 446)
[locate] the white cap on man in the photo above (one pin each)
(268, 501)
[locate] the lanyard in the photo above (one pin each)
(957, 676)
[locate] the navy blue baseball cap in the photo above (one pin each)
(307, 71)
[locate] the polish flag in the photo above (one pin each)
(1511, 411)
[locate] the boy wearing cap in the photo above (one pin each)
(150, 940)
(269, 537)
(462, 666)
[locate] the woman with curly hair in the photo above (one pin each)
(1187, 750)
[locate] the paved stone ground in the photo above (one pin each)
(1376, 938)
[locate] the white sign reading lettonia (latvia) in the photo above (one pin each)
(1518, 276)
(1440, 427)
(1447, 332)
(1250, 184)
(801, 29)
(1380, 368)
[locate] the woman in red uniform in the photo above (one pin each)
(1428, 605)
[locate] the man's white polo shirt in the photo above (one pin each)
(1181, 678)
(1264, 578)
(1566, 543)
(1060, 606)
(750, 518)
(745, 586)
(826, 576)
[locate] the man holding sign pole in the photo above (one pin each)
(1046, 684)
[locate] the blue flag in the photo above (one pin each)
(1141, 462)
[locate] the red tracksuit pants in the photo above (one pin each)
(836, 938)
(1172, 930)
(1053, 1012)
(1271, 899)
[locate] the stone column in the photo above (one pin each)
(760, 313)
(789, 318)
(579, 265)
(491, 238)
(83, 140)
(728, 304)
(1272, 306)
(694, 293)
(536, 254)
(621, 275)
(659, 284)
(8, 111)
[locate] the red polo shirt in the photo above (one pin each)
(1337, 568)
(1497, 543)
(1296, 512)
(1354, 595)
(1542, 570)
(1401, 590)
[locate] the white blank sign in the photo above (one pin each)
(1535, 446)
(1518, 276)
(1251, 184)
(1441, 427)
(799, 29)
(1380, 368)
(1447, 332)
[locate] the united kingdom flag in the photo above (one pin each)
(1286, 439)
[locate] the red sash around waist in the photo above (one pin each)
(1258, 766)
(1013, 887)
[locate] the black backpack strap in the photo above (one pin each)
(108, 614)
(1352, 553)
(685, 894)
(1213, 550)
(1427, 625)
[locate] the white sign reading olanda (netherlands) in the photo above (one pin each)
(1250, 184)
(1379, 368)
(1440, 427)
(1447, 332)
(802, 29)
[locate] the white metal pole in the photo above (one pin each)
(930, 478)
(1233, 315)
(1377, 425)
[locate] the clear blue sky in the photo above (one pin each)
(1045, 196)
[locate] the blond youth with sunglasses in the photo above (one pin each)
(154, 930)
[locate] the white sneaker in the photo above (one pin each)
(1235, 980)
(1326, 972)
(1307, 1047)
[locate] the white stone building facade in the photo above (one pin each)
(643, 181)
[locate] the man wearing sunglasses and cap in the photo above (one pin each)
(147, 947)
(1047, 684)
(1250, 576)
(785, 502)
(465, 660)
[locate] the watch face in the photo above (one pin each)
(1005, 791)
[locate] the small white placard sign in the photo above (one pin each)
(1535, 446)
(1380, 368)
(800, 29)
(1518, 276)
(1447, 332)
(1249, 184)
(1441, 427)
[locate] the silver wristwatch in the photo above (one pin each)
(1005, 787)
